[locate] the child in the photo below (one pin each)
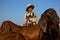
(30, 17)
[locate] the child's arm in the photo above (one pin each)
(25, 20)
(34, 18)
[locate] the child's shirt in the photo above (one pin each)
(30, 18)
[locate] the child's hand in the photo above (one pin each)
(30, 19)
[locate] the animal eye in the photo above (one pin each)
(47, 13)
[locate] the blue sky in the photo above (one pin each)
(14, 10)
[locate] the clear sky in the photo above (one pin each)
(14, 10)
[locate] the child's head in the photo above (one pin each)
(29, 8)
